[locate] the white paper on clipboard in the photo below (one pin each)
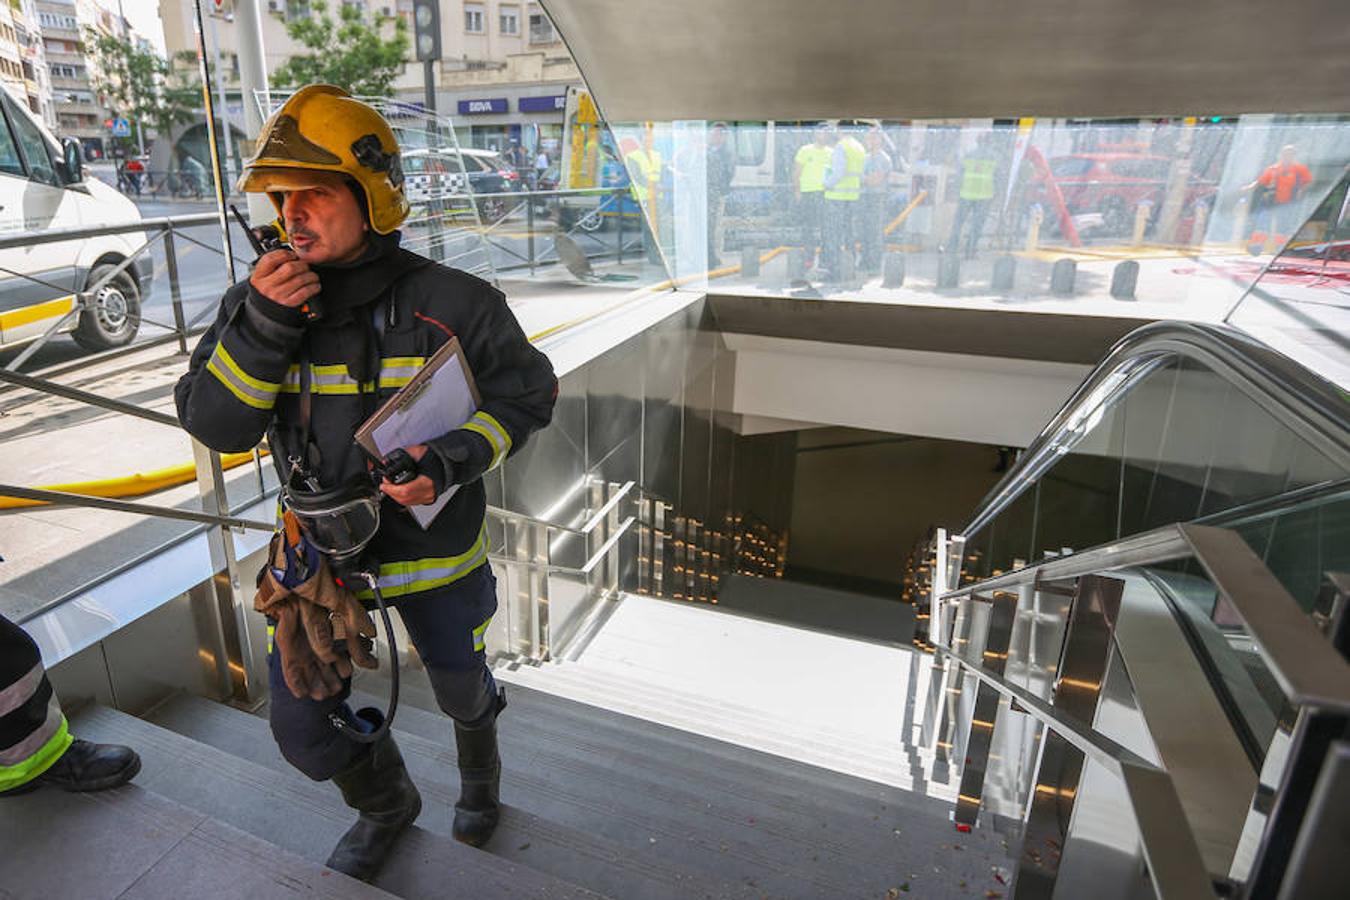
(442, 406)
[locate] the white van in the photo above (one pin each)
(43, 188)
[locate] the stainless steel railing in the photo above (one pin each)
(1313, 675)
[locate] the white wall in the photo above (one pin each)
(982, 399)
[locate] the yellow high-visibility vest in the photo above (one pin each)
(855, 158)
(814, 160)
(643, 167)
(977, 179)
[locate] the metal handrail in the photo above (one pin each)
(1306, 403)
(593, 523)
(62, 498)
(1175, 866)
(1307, 668)
(67, 234)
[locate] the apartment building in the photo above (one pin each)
(79, 110)
(503, 67)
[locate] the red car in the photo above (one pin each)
(1112, 185)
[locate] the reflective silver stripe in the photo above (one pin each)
(12, 756)
(486, 426)
(333, 379)
(479, 634)
(249, 390)
(18, 693)
(412, 576)
(396, 371)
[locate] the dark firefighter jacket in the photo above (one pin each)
(383, 317)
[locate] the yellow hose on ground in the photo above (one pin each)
(137, 485)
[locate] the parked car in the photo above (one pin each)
(438, 175)
(43, 188)
(1112, 185)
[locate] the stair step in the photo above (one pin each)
(305, 817)
(663, 696)
(575, 854)
(132, 843)
(891, 761)
(694, 819)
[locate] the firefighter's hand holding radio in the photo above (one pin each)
(284, 278)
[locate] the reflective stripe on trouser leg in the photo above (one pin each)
(33, 732)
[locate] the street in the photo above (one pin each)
(203, 276)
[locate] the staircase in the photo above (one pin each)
(598, 803)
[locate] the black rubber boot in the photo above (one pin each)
(480, 777)
(86, 766)
(375, 784)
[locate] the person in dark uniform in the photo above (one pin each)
(331, 166)
(36, 747)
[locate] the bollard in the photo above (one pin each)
(1123, 280)
(893, 270)
(1034, 228)
(1005, 271)
(1141, 213)
(1199, 223)
(1241, 213)
(796, 264)
(774, 274)
(848, 268)
(949, 271)
(749, 262)
(1062, 277)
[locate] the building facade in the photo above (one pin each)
(80, 112)
(503, 73)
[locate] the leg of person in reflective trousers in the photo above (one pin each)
(448, 627)
(36, 748)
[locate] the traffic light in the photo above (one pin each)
(427, 29)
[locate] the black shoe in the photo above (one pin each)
(480, 776)
(375, 784)
(86, 766)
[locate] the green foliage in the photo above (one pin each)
(139, 85)
(349, 53)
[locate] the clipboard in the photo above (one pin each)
(439, 398)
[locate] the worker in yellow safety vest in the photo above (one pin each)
(977, 191)
(644, 172)
(843, 187)
(808, 186)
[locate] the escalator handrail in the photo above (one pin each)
(1312, 407)
(1307, 668)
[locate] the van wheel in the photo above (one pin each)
(113, 315)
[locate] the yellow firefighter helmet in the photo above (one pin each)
(322, 128)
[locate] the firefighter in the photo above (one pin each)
(304, 351)
(36, 748)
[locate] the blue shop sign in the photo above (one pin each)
(482, 107)
(555, 103)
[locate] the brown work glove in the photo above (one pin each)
(336, 615)
(305, 674)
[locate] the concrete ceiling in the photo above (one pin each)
(913, 59)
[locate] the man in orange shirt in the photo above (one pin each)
(1283, 184)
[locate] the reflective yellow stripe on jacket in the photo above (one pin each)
(414, 575)
(248, 390)
(395, 372)
(493, 432)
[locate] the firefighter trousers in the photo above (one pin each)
(447, 627)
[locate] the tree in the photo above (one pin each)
(350, 53)
(138, 85)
